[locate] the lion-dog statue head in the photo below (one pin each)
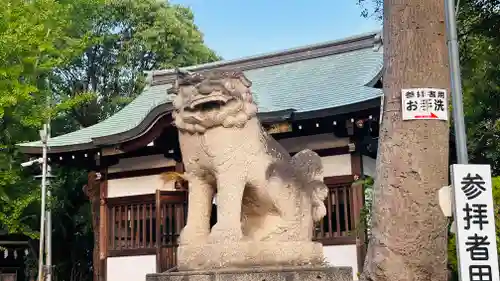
(222, 98)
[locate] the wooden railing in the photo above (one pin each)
(172, 216)
(132, 222)
(343, 207)
(132, 225)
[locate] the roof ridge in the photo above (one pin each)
(365, 40)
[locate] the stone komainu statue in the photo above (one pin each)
(267, 201)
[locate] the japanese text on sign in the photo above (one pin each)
(424, 103)
(474, 216)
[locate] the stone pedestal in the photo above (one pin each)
(259, 274)
(249, 254)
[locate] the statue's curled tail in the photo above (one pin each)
(308, 165)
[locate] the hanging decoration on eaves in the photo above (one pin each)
(13, 253)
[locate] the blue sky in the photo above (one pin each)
(239, 28)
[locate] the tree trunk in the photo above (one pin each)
(409, 231)
(92, 191)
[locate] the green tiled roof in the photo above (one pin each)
(320, 83)
(304, 85)
(126, 119)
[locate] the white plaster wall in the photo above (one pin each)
(137, 186)
(130, 268)
(342, 255)
(369, 166)
(141, 163)
(313, 142)
(338, 165)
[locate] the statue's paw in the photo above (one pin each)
(190, 235)
(222, 234)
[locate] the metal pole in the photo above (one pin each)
(48, 176)
(48, 237)
(456, 83)
(43, 136)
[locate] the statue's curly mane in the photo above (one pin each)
(235, 113)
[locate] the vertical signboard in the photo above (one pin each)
(475, 221)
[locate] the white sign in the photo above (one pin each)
(475, 221)
(424, 103)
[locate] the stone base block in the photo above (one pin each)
(248, 254)
(259, 274)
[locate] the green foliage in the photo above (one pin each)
(374, 8)
(88, 57)
(365, 214)
(479, 46)
(72, 226)
(128, 38)
(33, 41)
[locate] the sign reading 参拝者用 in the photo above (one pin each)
(475, 222)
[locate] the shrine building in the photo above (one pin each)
(13, 250)
(325, 97)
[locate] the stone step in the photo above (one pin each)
(259, 274)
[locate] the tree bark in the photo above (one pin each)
(92, 192)
(409, 231)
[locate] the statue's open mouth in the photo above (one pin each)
(209, 102)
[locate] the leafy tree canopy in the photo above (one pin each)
(88, 58)
(128, 38)
(33, 41)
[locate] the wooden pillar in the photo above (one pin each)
(158, 231)
(180, 184)
(103, 222)
(358, 202)
(92, 190)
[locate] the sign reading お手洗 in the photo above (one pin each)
(424, 103)
(475, 222)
